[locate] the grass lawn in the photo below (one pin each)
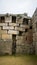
(18, 60)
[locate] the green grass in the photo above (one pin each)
(18, 60)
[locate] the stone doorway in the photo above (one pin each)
(14, 44)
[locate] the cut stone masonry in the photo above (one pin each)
(16, 34)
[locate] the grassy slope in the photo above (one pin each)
(18, 60)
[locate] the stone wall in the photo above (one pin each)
(24, 43)
(5, 47)
(34, 25)
(21, 30)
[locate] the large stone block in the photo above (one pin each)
(3, 24)
(6, 36)
(3, 31)
(13, 24)
(20, 28)
(13, 32)
(19, 20)
(19, 38)
(8, 19)
(25, 26)
(8, 27)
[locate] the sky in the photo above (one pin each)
(18, 6)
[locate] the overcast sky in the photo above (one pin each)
(18, 6)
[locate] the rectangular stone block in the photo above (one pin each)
(3, 31)
(3, 24)
(25, 26)
(8, 19)
(19, 20)
(8, 27)
(19, 42)
(20, 28)
(6, 36)
(19, 37)
(13, 24)
(13, 32)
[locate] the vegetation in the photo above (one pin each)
(18, 60)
